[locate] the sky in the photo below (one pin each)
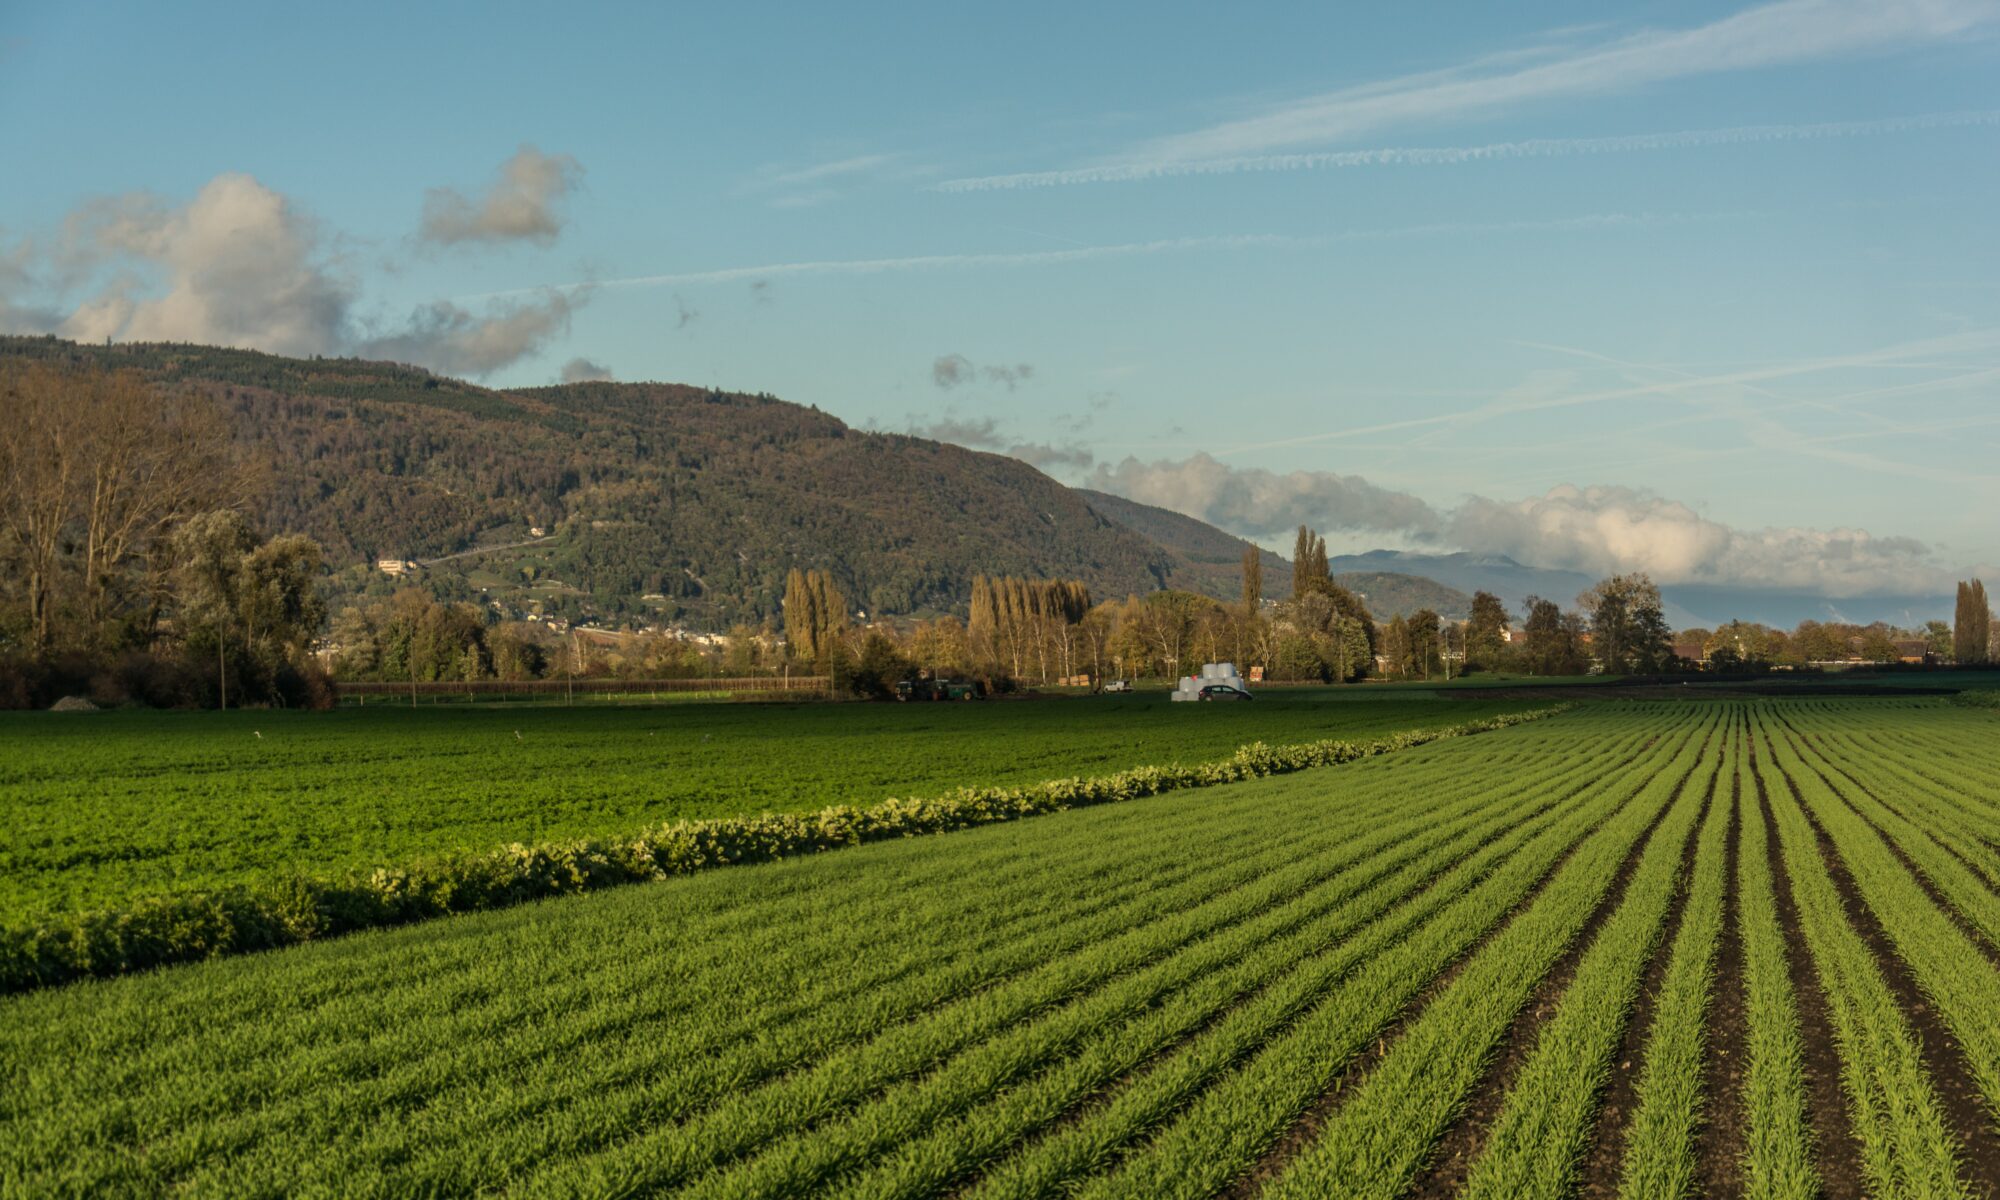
(1706, 290)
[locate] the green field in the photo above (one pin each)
(1663, 949)
(98, 808)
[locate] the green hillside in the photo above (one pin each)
(699, 499)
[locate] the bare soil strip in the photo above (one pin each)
(1836, 1154)
(1305, 1130)
(1600, 1171)
(1958, 1094)
(1719, 1144)
(1451, 1160)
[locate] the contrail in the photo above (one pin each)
(1418, 156)
(1030, 258)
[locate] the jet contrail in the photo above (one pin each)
(1421, 156)
(1242, 241)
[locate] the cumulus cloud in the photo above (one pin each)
(1258, 503)
(447, 338)
(1598, 530)
(522, 204)
(1601, 530)
(242, 265)
(951, 370)
(582, 370)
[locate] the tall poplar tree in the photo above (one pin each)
(1971, 628)
(1253, 580)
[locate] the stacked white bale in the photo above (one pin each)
(1212, 674)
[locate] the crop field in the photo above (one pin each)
(97, 809)
(1643, 949)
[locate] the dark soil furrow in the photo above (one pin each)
(1621, 1092)
(1959, 1097)
(1451, 1160)
(1836, 1154)
(1719, 1143)
(1305, 1130)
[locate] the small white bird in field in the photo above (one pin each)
(518, 737)
(259, 733)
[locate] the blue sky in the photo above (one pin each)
(1432, 277)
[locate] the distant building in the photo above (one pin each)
(1913, 650)
(537, 531)
(396, 566)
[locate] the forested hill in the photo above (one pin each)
(701, 498)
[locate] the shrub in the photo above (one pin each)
(208, 924)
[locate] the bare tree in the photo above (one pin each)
(96, 469)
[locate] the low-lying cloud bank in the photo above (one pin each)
(241, 265)
(1596, 530)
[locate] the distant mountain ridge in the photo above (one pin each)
(1688, 606)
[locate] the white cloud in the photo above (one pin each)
(1602, 530)
(447, 338)
(521, 205)
(1594, 530)
(1789, 31)
(1432, 156)
(1258, 503)
(241, 265)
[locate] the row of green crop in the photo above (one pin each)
(1892, 1107)
(1947, 965)
(100, 810)
(932, 1136)
(184, 927)
(1222, 1134)
(946, 1059)
(1659, 1157)
(1977, 699)
(1375, 1143)
(551, 1046)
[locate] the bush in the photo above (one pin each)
(197, 925)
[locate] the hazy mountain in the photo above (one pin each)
(1687, 605)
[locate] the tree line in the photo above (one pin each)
(128, 568)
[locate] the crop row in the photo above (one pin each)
(1421, 977)
(643, 1036)
(183, 927)
(98, 809)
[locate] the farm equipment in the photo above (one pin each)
(939, 689)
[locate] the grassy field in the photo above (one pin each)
(1661, 949)
(96, 809)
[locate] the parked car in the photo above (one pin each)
(1222, 691)
(1118, 685)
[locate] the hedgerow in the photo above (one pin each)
(195, 925)
(1975, 699)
